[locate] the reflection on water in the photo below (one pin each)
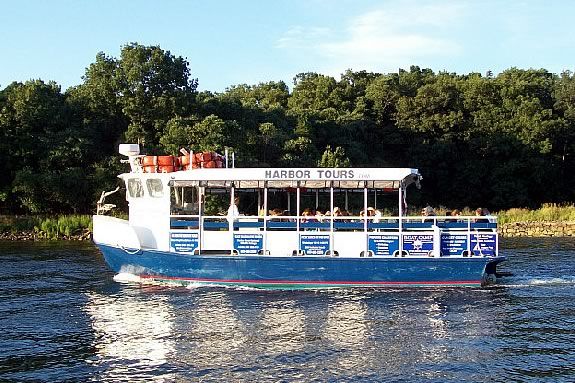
(346, 324)
(284, 327)
(64, 318)
(217, 332)
(130, 331)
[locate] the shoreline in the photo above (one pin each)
(529, 229)
(31, 235)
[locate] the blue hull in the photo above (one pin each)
(301, 272)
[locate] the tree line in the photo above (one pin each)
(499, 141)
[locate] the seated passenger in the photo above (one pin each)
(370, 212)
(308, 215)
(455, 213)
(276, 212)
(479, 212)
(233, 209)
(427, 212)
(376, 216)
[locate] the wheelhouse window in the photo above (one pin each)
(185, 199)
(155, 187)
(135, 188)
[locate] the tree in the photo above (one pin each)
(299, 151)
(96, 103)
(155, 86)
(45, 149)
(334, 159)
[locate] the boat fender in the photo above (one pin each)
(131, 252)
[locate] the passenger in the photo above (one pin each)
(307, 215)
(276, 212)
(233, 209)
(487, 213)
(370, 212)
(377, 216)
(479, 212)
(428, 212)
(455, 213)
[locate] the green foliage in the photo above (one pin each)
(18, 224)
(497, 140)
(334, 158)
(63, 226)
(46, 227)
(216, 204)
(547, 212)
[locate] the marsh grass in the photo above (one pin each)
(47, 227)
(63, 226)
(547, 212)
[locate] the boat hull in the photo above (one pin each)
(300, 272)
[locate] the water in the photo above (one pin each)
(63, 317)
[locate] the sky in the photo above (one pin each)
(229, 42)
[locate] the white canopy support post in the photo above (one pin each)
(400, 221)
(231, 219)
(260, 201)
(265, 239)
(298, 207)
(468, 236)
(298, 218)
(365, 195)
(331, 219)
(436, 252)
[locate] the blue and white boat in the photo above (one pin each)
(170, 237)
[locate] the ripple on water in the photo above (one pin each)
(66, 317)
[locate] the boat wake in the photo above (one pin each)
(542, 281)
(127, 278)
(195, 285)
(130, 278)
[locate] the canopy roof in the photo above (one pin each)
(313, 178)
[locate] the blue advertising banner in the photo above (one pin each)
(483, 244)
(248, 243)
(314, 244)
(383, 244)
(418, 244)
(184, 242)
(453, 244)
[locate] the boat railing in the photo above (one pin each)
(335, 223)
(464, 236)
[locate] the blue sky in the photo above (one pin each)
(236, 42)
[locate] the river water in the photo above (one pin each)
(65, 317)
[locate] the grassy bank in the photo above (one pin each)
(546, 213)
(35, 227)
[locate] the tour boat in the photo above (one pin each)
(180, 228)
